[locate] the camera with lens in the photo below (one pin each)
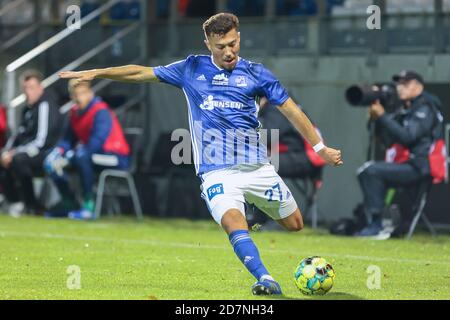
(365, 95)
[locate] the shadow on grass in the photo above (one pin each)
(329, 296)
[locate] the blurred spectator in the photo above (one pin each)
(123, 10)
(247, 7)
(304, 7)
(93, 140)
(3, 125)
(3, 132)
(331, 4)
(200, 8)
(182, 7)
(23, 156)
(126, 10)
(88, 6)
(22, 14)
(296, 7)
(162, 8)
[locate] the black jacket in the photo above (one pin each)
(40, 128)
(413, 127)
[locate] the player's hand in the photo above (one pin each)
(331, 156)
(376, 110)
(80, 76)
(55, 162)
(6, 158)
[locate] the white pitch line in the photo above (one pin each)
(205, 246)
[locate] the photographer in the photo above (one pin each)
(411, 127)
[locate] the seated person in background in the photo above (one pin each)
(248, 8)
(24, 153)
(296, 7)
(411, 132)
(93, 139)
(3, 125)
(304, 7)
(125, 10)
(3, 133)
(89, 6)
(200, 8)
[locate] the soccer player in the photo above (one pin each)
(221, 90)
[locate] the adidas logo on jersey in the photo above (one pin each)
(220, 80)
(201, 77)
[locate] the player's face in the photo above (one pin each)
(33, 90)
(225, 49)
(408, 90)
(82, 95)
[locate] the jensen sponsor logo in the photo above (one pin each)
(209, 104)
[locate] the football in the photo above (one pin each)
(314, 276)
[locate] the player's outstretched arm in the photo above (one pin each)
(301, 122)
(129, 73)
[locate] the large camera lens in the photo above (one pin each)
(361, 95)
(365, 95)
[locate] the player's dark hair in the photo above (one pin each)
(31, 74)
(220, 24)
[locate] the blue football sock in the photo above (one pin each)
(247, 252)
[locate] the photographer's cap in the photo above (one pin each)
(407, 75)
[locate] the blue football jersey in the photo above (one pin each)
(222, 108)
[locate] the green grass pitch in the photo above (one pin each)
(180, 259)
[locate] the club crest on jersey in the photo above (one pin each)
(214, 190)
(241, 81)
(220, 80)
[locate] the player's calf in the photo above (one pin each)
(234, 223)
(293, 222)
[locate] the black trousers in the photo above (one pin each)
(376, 177)
(17, 180)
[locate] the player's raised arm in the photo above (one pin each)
(301, 122)
(129, 73)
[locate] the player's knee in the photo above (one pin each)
(233, 220)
